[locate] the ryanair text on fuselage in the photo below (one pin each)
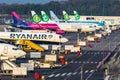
(31, 36)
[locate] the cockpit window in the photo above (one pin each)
(91, 26)
(60, 36)
(16, 48)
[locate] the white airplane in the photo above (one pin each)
(46, 19)
(72, 25)
(77, 22)
(69, 26)
(100, 24)
(11, 52)
(33, 36)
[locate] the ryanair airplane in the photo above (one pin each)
(33, 36)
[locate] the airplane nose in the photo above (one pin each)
(22, 53)
(63, 40)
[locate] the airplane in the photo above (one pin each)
(33, 36)
(19, 23)
(10, 52)
(100, 24)
(77, 19)
(103, 22)
(66, 27)
(72, 25)
(89, 23)
(46, 19)
(85, 22)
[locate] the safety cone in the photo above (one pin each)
(89, 46)
(66, 62)
(78, 52)
(42, 77)
(86, 40)
(37, 76)
(81, 53)
(63, 61)
(104, 37)
(96, 40)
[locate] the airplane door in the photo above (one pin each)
(5, 49)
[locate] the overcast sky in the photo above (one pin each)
(27, 1)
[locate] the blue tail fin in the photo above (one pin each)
(53, 16)
(17, 20)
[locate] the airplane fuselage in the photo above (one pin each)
(74, 27)
(8, 51)
(48, 37)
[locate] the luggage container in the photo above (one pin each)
(28, 66)
(35, 55)
(19, 71)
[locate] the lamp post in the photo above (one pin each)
(79, 31)
(91, 11)
(59, 44)
(103, 11)
(102, 48)
(109, 45)
(78, 38)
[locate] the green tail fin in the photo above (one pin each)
(35, 17)
(66, 16)
(45, 17)
(77, 16)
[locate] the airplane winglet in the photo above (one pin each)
(53, 16)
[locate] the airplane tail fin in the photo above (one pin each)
(65, 15)
(45, 17)
(77, 16)
(17, 19)
(35, 17)
(53, 16)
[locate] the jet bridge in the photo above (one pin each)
(28, 46)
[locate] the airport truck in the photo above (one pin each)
(29, 67)
(90, 38)
(82, 43)
(48, 62)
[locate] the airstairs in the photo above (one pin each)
(10, 68)
(29, 46)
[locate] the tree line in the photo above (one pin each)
(83, 7)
